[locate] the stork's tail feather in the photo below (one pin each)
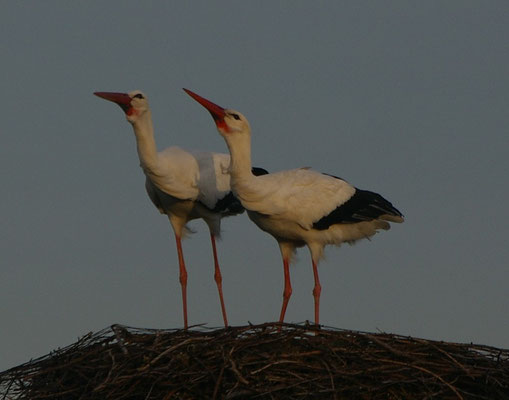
(392, 218)
(373, 206)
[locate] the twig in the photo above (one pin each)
(218, 383)
(167, 351)
(235, 369)
(428, 372)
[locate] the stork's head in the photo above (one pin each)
(134, 103)
(229, 122)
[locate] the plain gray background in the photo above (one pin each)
(405, 98)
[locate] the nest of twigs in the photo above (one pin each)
(266, 361)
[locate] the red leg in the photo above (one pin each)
(287, 291)
(183, 277)
(219, 279)
(317, 290)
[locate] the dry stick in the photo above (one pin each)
(235, 369)
(272, 364)
(448, 356)
(331, 378)
(167, 351)
(386, 346)
(150, 391)
(286, 387)
(218, 383)
(97, 388)
(8, 388)
(428, 372)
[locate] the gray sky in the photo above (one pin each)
(405, 98)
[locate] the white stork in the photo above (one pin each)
(184, 185)
(298, 207)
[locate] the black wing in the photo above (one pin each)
(362, 206)
(257, 171)
(229, 203)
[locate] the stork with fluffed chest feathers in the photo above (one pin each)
(298, 207)
(184, 185)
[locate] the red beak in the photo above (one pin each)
(216, 111)
(122, 99)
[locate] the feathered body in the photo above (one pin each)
(187, 185)
(305, 207)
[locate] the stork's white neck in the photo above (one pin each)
(145, 141)
(249, 189)
(240, 151)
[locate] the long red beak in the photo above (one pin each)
(122, 99)
(216, 111)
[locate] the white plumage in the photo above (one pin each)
(184, 185)
(301, 195)
(298, 207)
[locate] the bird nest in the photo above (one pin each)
(268, 361)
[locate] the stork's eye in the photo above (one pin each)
(236, 116)
(138, 96)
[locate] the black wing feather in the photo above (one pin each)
(257, 171)
(362, 206)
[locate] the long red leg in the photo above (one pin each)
(182, 277)
(317, 290)
(219, 279)
(287, 291)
